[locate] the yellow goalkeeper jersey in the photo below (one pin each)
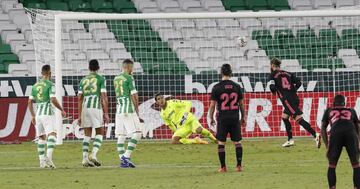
(177, 113)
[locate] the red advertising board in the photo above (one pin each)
(263, 114)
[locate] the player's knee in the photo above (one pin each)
(298, 118)
(99, 131)
(221, 143)
(199, 129)
(42, 137)
(285, 116)
(237, 143)
(52, 134)
(137, 135)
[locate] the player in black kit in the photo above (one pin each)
(344, 132)
(228, 97)
(285, 85)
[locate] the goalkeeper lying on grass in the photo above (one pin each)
(177, 116)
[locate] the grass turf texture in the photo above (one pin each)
(162, 165)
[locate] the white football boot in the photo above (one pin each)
(318, 140)
(289, 143)
(87, 163)
(50, 163)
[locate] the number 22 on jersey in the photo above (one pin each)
(225, 97)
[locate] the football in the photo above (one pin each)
(241, 41)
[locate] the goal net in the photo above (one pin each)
(180, 55)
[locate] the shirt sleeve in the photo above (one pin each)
(52, 90)
(295, 80)
(272, 83)
(213, 94)
(103, 85)
(132, 86)
(31, 97)
(326, 116)
(80, 90)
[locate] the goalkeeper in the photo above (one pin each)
(177, 116)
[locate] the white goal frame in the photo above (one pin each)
(69, 16)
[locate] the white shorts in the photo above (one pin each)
(91, 118)
(44, 125)
(127, 123)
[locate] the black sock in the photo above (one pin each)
(288, 128)
(221, 153)
(307, 127)
(331, 177)
(356, 177)
(239, 153)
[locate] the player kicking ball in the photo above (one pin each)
(93, 111)
(344, 132)
(286, 84)
(43, 94)
(127, 119)
(177, 116)
(228, 97)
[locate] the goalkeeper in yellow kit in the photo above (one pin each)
(177, 116)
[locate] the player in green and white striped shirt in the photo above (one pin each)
(127, 119)
(43, 94)
(93, 106)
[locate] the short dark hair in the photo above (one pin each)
(157, 95)
(339, 100)
(45, 68)
(128, 61)
(276, 62)
(226, 70)
(94, 65)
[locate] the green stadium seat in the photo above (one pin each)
(143, 56)
(304, 42)
(125, 35)
(57, 6)
(353, 43)
(124, 6)
(8, 59)
(136, 45)
(256, 5)
(328, 34)
(260, 34)
(166, 56)
(322, 42)
(234, 5)
(27, 2)
(79, 5)
(209, 72)
(147, 35)
(117, 25)
(5, 49)
(323, 52)
(102, 6)
(158, 45)
(266, 43)
(278, 5)
(278, 53)
(283, 33)
(37, 5)
(305, 33)
(313, 63)
(350, 33)
(298, 53)
(177, 67)
(2, 68)
(139, 25)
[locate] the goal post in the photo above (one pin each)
(197, 44)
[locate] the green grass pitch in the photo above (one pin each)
(162, 165)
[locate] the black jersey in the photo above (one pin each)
(284, 83)
(341, 118)
(227, 94)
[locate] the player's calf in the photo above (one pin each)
(206, 133)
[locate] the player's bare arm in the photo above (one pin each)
(212, 111)
(135, 100)
(58, 106)
(80, 104)
(31, 108)
(105, 104)
(324, 126)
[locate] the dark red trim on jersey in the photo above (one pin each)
(280, 95)
(290, 108)
(355, 165)
(332, 165)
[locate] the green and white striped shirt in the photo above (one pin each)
(124, 87)
(41, 94)
(91, 88)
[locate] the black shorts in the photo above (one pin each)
(337, 141)
(291, 106)
(228, 126)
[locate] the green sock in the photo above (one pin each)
(41, 149)
(50, 146)
(96, 145)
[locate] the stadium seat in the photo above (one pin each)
(79, 5)
(9, 59)
(305, 33)
(302, 5)
(268, 43)
(38, 5)
(102, 6)
(278, 5)
(350, 33)
(261, 34)
(313, 63)
(256, 5)
(344, 3)
(205, 23)
(283, 33)
(51, 5)
(227, 23)
(124, 6)
(234, 5)
(5, 49)
(323, 4)
(170, 6)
